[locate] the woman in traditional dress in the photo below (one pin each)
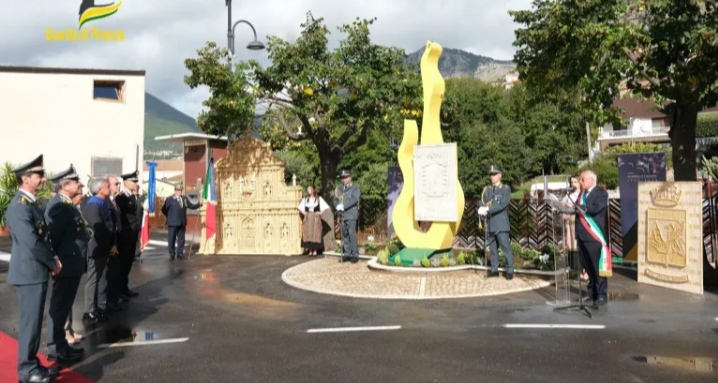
(312, 208)
(569, 223)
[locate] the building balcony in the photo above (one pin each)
(608, 138)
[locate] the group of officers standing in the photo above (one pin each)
(53, 247)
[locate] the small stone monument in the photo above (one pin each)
(670, 239)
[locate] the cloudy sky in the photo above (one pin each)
(160, 34)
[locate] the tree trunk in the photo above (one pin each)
(328, 163)
(683, 140)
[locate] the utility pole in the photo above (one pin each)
(588, 141)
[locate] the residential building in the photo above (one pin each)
(92, 118)
(644, 123)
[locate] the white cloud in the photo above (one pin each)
(161, 34)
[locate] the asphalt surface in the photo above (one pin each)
(245, 325)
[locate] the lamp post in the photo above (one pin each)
(254, 45)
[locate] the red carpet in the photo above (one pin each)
(8, 364)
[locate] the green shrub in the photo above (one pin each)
(707, 125)
(445, 261)
(461, 258)
(397, 260)
(383, 257)
(425, 262)
(516, 247)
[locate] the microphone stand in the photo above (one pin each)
(581, 307)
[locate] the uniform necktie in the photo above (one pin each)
(179, 199)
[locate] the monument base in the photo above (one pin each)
(408, 255)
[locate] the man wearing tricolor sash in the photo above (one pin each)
(591, 206)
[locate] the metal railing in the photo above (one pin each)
(630, 133)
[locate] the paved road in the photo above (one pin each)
(245, 325)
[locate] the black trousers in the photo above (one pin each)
(590, 252)
(94, 292)
(126, 257)
(61, 300)
(32, 307)
(175, 234)
(110, 281)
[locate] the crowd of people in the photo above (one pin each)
(54, 245)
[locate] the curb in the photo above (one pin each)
(374, 264)
(418, 297)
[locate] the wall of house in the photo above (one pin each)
(56, 115)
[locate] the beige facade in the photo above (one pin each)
(93, 119)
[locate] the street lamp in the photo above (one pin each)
(254, 45)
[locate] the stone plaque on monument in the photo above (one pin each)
(670, 240)
(435, 175)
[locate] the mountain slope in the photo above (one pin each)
(459, 63)
(162, 119)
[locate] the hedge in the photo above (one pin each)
(707, 125)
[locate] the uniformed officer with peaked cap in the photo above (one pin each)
(68, 237)
(346, 201)
(495, 204)
(31, 263)
(131, 224)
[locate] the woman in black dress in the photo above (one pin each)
(311, 208)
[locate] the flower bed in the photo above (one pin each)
(524, 258)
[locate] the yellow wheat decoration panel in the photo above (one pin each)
(441, 234)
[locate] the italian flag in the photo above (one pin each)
(209, 194)
(145, 233)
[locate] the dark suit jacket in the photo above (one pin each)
(98, 215)
(595, 207)
(176, 214)
(68, 236)
(499, 196)
(31, 258)
(127, 204)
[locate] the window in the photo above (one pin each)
(102, 167)
(109, 90)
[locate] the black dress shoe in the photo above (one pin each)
(64, 355)
(343, 259)
(601, 301)
(509, 276)
(355, 259)
(95, 316)
(131, 293)
(492, 274)
(172, 257)
(36, 378)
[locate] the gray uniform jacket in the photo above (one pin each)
(348, 195)
(67, 235)
(31, 259)
(499, 196)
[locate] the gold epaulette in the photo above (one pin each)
(24, 200)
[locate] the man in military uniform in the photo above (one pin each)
(346, 201)
(175, 209)
(495, 207)
(130, 224)
(31, 263)
(68, 238)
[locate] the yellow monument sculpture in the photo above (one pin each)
(440, 236)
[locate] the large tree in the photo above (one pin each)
(666, 50)
(336, 96)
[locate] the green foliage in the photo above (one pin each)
(461, 258)
(393, 245)
(707, 125)
(665, 50)
(397, 260)
(445, 260)
(710, 167)
(8, 189)
(383, 256)
(425, 262)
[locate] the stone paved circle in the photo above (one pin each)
(327, 276)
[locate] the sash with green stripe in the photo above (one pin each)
(605, 265)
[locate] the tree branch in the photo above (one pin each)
(634, 59)
(292, 134)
